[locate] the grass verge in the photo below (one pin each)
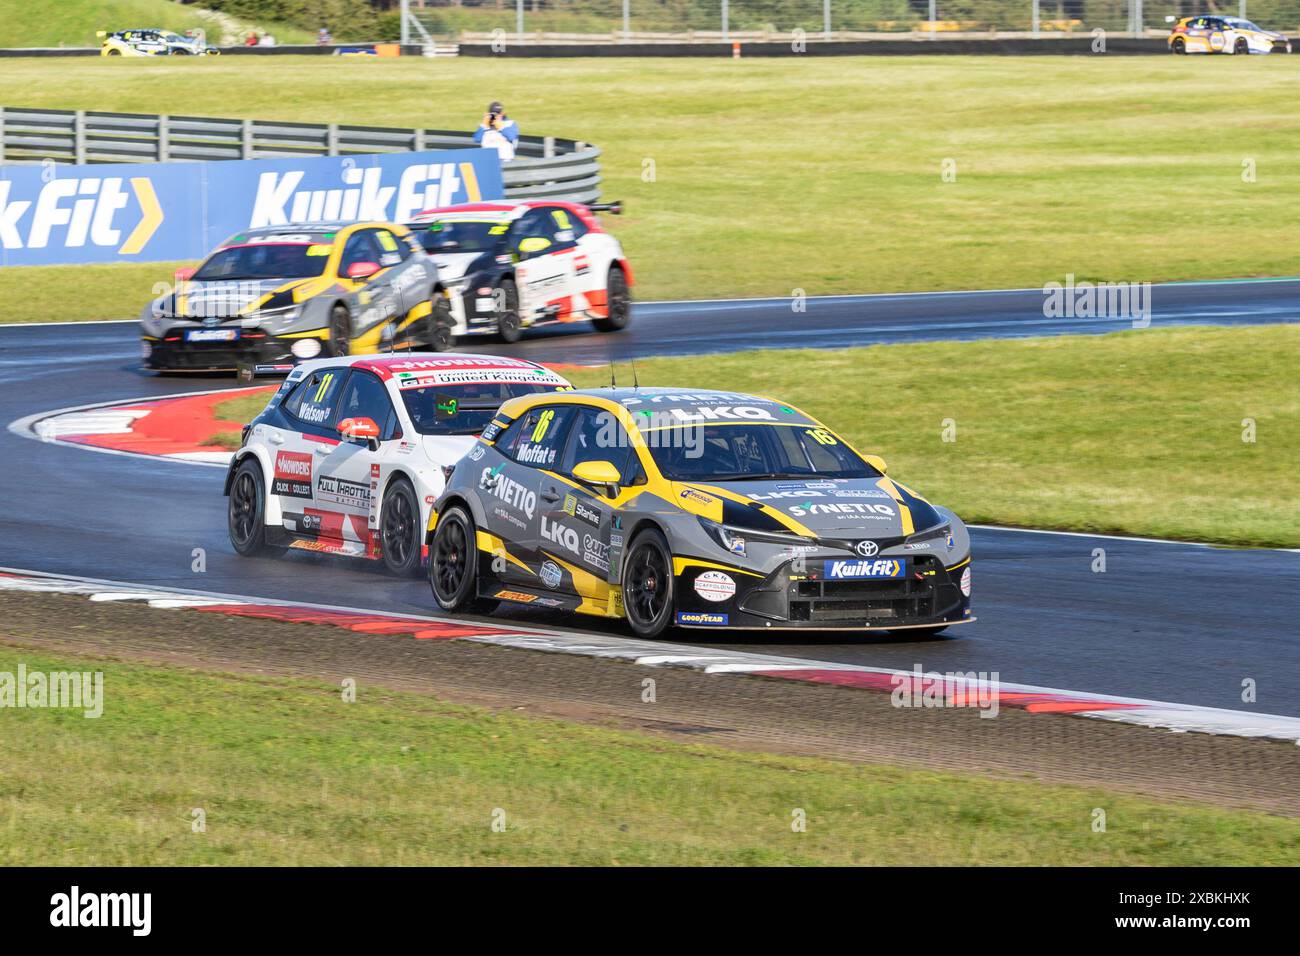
(1129, 433)
(760, 176)
(286, 772)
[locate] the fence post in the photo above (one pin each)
(417, 140)
(934, 16)
(2, 134)
(332, 139)
(519, 19)
(164, 139)
(726, 18)
(246, 140)
(1035, 17)
(1242, 14)
(79, 137)
(1137, 18)
(826, 18)
(627, 18)
(548, 146)
(406, 27)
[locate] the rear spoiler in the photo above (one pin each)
(614, 208)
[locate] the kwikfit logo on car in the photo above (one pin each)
(857, 570)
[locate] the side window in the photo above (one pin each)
(597, 435)
(566, 225)
(367, 397)
(533, 234)
(392, 251)
(540, 435)
(313, 402)
(361, 247)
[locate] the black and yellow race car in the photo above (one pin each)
(691, 508)
(1216, 34)
(271, 297)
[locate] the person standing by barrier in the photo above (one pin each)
(498, 131)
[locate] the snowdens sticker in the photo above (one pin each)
(134, 910)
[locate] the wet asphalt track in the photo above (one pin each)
(1166, 621)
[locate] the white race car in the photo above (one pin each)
(350, 452)
(507, 266)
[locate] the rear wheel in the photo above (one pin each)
(648, 584)
(340, 331)
(246, 511)
(399, 523)
(617, 301)
(440, 322)
(1180, 46)
(509, 325)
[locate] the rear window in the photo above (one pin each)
(461, 409)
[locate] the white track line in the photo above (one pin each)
(1148, 713)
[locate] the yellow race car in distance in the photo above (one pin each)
(1213, 34)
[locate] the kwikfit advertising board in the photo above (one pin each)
(54, 214)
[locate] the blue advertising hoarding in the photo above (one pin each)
(55, 214)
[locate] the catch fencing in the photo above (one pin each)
(545, 167)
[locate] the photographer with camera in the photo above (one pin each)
(498, 131)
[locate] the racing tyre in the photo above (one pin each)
(246, 511)
(648, 584)
(113, 53)
(453, 564)
(1241, 47)
(617, 301)
(399, 529)
(440, 322)
(1179, 47)
(509, 326)
(340, 331)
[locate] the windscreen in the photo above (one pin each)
(265, 260)
(752, 451)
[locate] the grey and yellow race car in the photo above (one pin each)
(700, 509)
(272, 297)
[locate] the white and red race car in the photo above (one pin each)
(351, 452)
(508, 266)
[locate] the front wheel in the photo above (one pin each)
(618, 302)
(340, 331)
(648, 584)
(246, 511)
(1241, 47)
(399, 523)
(453, 561)
(509, 325)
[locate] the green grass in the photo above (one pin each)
(287, 773)
(75, 22)
(818, 174)
(1130, 433)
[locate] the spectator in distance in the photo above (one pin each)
(323, 37)
(251, 39)
(498, 131)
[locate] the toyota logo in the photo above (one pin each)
(867, 549)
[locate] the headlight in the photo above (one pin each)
(733, 539)
(281, 316)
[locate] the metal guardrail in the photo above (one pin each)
(544, 167)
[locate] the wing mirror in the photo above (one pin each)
(533, 245)
(185, 274)
(878, 463)
(362, 270)
(360, 429)
(600, 474)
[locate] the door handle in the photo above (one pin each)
(321, 449)
(276, 438)
(550, 494)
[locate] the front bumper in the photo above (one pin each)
(802, 596)
(173, 351)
